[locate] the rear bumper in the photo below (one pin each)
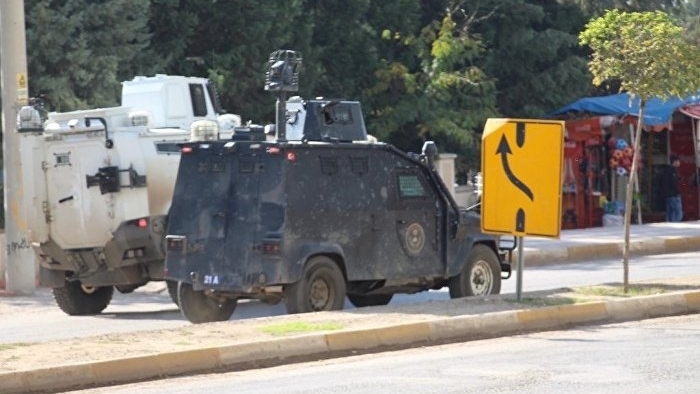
(247, 273)
(133, 255)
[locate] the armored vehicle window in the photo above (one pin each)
(411, 186)
(359, 165)
(167, 148)
(199, 103)
(338, 113)
(212, 164)
(214, 97)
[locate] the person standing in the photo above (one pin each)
(670, 189)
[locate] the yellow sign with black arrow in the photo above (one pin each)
(521, 161)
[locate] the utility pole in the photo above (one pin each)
(19, 256)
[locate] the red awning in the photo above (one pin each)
(692, 110)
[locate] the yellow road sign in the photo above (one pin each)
(521, 161)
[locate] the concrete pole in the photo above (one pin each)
(20, 258)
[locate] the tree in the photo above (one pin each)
(344, 45)
(73, 60)
(440, 94)
(598, 7)
(533, 54)
(230, 41)
(172, 26)
(651, 57)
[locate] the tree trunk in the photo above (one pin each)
(629, 195)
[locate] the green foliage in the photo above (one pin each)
(171, 26)
(230, 41)
(77, 63)
(599, 7)
(439, 95)
(646, 51)
(533, 54)
(343, 45)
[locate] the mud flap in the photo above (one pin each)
(51, 278)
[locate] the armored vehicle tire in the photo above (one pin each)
(77, 299)
(369, 300)
(480, 276)
(321, 288)
(197, 307)
(172, 290)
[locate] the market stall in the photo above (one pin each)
(583, 180)
(598, 157)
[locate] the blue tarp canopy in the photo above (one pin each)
(656, 112)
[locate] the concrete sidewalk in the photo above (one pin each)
(608, 242)
(244, 344)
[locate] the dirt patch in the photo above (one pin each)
(21, 356)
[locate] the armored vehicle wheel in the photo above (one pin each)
(321, 288)
(480, 276)
(369, 300)
(197, 307)
(77, 299)
(172, 290)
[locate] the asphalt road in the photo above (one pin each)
(37, 318)
(649, 356)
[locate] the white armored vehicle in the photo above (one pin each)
(102, 181)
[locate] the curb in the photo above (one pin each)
(610, 250)
(323, 345)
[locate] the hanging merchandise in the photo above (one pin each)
(621, 156)
(621, 144)
(584, 172)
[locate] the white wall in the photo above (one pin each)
(3, 257)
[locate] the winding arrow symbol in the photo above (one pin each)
(504, 150)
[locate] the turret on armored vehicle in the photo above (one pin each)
(317, 214)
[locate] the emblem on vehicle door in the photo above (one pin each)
(414, 239)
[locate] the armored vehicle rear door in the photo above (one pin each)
(216, 206)
(81, 215)
(201, 207)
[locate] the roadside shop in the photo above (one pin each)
(598, 157)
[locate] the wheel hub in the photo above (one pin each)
(88, 289)
(481, 280)
(320, 295)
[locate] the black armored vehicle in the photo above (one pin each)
(316, 214)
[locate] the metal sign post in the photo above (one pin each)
(519, 272)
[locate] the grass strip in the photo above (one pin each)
(300, 326)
